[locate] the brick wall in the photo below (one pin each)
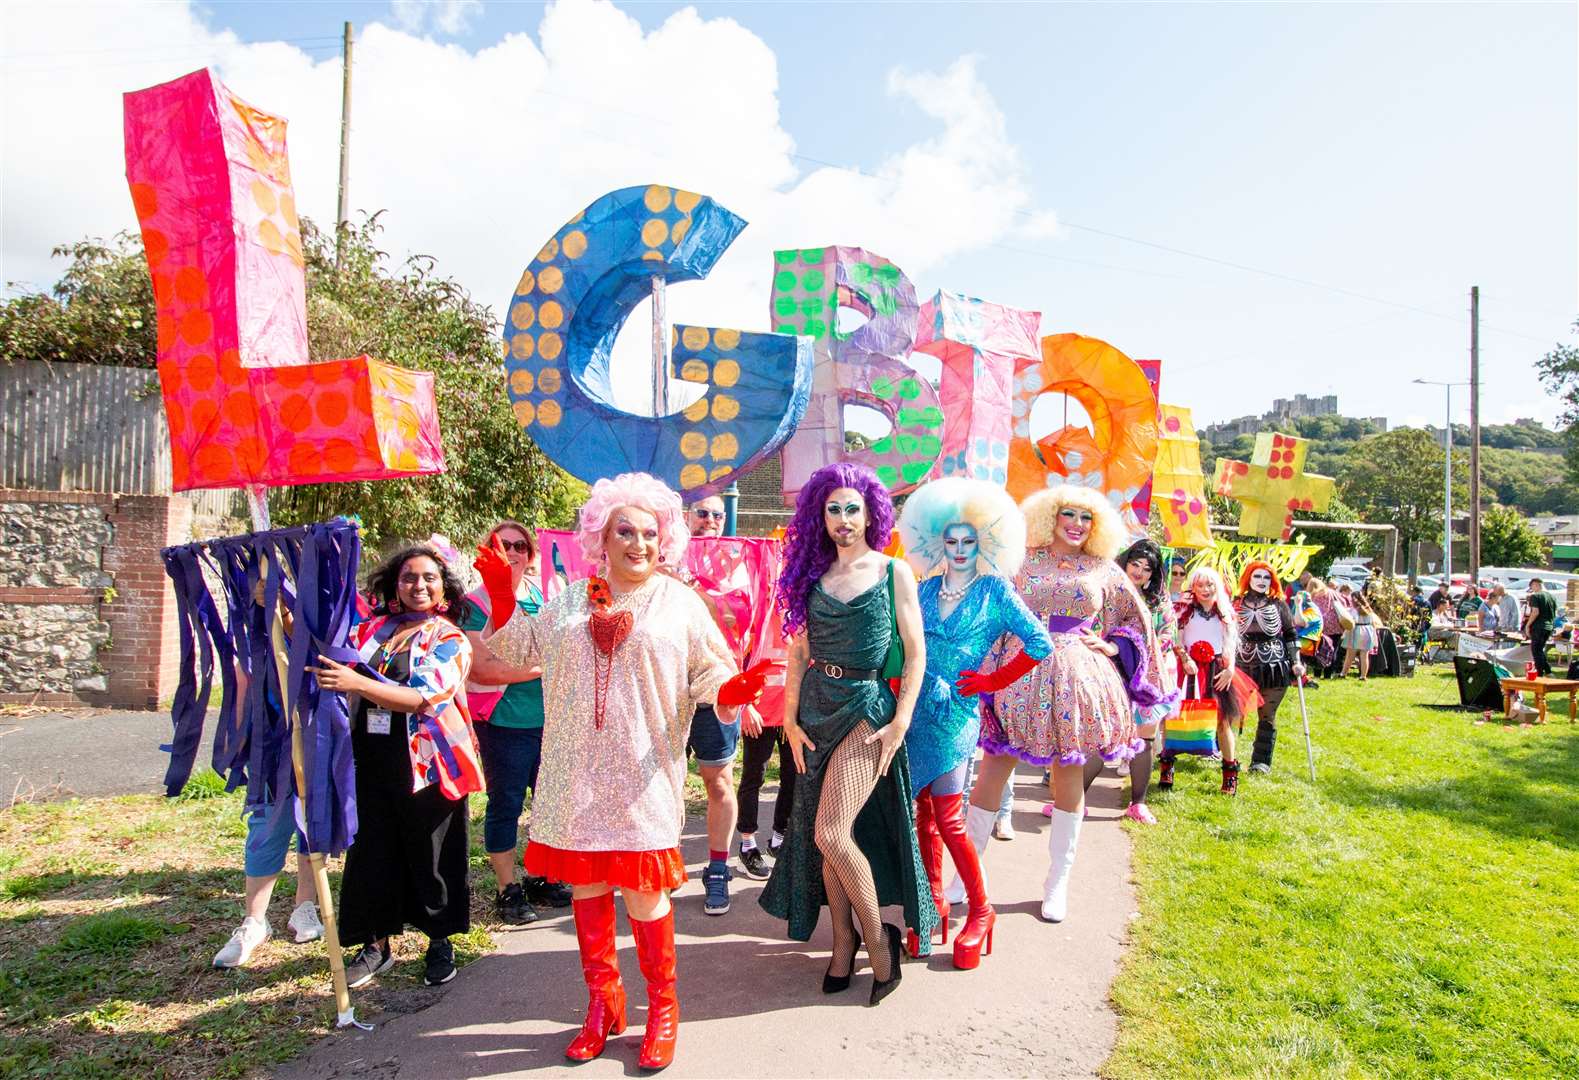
(86, 611)
(761, 508)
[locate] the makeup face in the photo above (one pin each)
(1139, 571)
(844, 514)
(1261, 581)
(1074, 525)
(706, 517)
(961, 547)
(1205, 590)
(631, 540)
(420, 586)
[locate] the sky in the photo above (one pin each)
(1271, 198)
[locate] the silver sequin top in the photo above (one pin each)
(621, 788)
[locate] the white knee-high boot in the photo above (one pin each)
(1062, 839)
(978, 826)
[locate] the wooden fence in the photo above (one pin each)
(90, 427)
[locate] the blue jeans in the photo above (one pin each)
(712, 741)
(264, 854)
(509, 763)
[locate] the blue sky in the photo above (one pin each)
(1395, 152)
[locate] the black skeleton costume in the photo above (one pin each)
(1267, 653)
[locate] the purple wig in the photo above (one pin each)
(809, 550)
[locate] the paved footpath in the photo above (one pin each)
(86, 752)
(751, 1002)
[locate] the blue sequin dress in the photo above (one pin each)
(945, 725)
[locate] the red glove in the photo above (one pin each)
(746, 688)
(974, 682)
(495, 570)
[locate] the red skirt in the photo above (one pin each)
(644, 871)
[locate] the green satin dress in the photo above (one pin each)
(853, 635)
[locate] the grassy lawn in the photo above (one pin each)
(1414, 913)
(111, 911)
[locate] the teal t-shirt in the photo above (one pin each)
(522, 703)
(1545, 608)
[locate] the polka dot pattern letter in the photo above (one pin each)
(570, 304)
(211, 185)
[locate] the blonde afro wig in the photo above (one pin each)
(1041, 509)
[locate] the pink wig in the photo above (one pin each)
(644, 492)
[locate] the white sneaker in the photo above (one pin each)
(238, 950)
(304, 922)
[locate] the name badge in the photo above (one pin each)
(378, 721)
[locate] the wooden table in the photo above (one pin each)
(1540, 688)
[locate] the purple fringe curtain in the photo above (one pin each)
(311, 571)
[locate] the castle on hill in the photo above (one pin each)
(1283, 410)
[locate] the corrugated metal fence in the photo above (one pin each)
(89, 427)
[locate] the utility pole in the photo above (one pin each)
(1474, 435)
(345, 148)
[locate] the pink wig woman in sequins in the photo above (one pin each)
(626, 657)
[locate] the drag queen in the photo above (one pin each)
(1080, 700)
(1268, 652)
(851, 842)
(1142, 562)
(627, 656)
(974, 533)
(1209, 632)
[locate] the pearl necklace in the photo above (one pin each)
(954, 594)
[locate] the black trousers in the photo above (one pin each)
(1539, 637)
(1266, 725)
(759, 749)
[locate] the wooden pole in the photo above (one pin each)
(1474, 435)
(343, 211)
(345, 1014)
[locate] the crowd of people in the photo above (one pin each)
(1005, 635)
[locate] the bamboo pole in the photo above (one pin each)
(345, 1012)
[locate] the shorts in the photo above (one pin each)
(712, 741)
(264, 854)
(510, 757)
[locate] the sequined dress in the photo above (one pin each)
(853, 635)
(1076, 702)
(619, 788)
(946, 723)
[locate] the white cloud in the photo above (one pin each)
(479, 157)
(447, 16)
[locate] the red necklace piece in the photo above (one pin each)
(608, 629)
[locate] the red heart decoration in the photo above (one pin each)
(609, 630)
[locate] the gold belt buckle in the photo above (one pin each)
(833, 671)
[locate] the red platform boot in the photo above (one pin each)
(655, 950)
(980, 918)
(605, 992)
(931, 845)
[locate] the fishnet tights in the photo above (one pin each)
(847, 783)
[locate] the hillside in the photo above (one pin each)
(1521, 464)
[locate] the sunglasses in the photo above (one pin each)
(521, 546)
(709, 515)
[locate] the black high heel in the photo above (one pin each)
(881, 988)
(833, 984)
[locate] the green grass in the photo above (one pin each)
(110, 913)
(1411, 914)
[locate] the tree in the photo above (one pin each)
(1506, 539)
(102, 312)
(1559, 370)
(1335, 543)
(99, 312)
(1396, 478)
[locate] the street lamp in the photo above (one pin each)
(1447, 483)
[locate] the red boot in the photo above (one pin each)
(980, 918)
(655, 950)
(606, 994)
(931, 845)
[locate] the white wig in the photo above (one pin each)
(958, 500)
